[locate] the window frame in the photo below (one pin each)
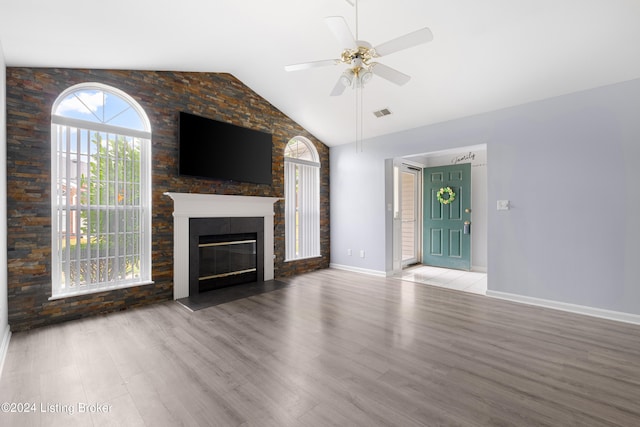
(143, 208)
(296, 234)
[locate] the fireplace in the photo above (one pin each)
(226, 259)
(225, 252)
(188, 206)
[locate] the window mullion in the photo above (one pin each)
(88, 206)
(76, 212)
(67, 203)
(99, 209)
(56, 197)
(67, 244)
(290, 210)
(306, 197)
(124, 186)
(142, 199)
(300, 212)
(315, 232)
(116, 204)
(107, 209)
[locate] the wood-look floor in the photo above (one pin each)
(332, 349)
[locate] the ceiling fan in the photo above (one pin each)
(359, 55)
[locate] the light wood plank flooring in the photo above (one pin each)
(332, 349)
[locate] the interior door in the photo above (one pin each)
(410, 214)
(446, 240)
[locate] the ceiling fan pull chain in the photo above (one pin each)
(359, 118)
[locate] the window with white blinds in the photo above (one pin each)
(101, 191)
(302, 200)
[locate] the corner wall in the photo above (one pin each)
(569, 166)
(30, 96)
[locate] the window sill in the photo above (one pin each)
(98, 290)
(302, 259)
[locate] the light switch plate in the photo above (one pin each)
(503, 205)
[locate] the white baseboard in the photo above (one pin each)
(4, 346)
(358, 270)
(573, 308)
(478, 269)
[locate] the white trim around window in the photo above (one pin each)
(100, 192)
(302, 201)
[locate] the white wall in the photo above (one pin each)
(4, 323)
(568, 164)
(358, 179)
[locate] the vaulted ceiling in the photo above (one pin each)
(485, 55)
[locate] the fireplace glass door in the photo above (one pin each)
(227, 259)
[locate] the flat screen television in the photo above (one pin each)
(218, 150)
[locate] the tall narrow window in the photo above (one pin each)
(302, 199)
(100, 191)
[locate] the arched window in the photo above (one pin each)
(302, 199)
(100, 191)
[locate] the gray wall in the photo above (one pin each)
(569, 167)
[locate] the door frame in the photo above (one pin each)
(393, 207)
(393, 255)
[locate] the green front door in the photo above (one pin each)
(445, 242)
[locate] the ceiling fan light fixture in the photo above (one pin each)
(359, 55)
(364, 76)
(347, 78)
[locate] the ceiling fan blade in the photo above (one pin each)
(340, 29)
(339, 88)
(388, 73)
(313, 64)
(415, 38)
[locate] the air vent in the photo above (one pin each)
(382, 113)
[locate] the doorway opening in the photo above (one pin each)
(410, 213)
(417, 235)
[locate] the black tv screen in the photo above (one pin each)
(219, 150)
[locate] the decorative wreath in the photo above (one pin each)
(450, 198)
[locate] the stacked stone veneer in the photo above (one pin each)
(31, 93)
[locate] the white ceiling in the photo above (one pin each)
(485, 55)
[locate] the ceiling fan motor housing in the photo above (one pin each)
(358, 59)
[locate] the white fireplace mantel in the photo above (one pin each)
(191, 205)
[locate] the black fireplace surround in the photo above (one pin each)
(225, 252)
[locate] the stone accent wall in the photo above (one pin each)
(30, 96)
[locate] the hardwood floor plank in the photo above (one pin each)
(333, 348)
(126, 415)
